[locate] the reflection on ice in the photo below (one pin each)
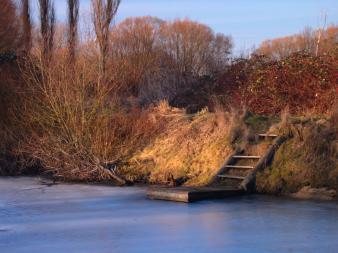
(85, 218)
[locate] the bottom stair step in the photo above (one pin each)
(232, 177)
(239, 167)
(268, 135)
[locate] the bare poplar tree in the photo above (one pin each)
(26, 25)
(104, 12)
(47, 26)
(73, 16)
(9, 26)
(320, 33)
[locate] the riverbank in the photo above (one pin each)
(306, 165)
(190, 149)
(305, 193)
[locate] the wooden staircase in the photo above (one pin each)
(239, 170)
(236, 177)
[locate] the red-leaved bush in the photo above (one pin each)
(301, 81)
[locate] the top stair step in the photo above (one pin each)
(246, 157)
(268, 135)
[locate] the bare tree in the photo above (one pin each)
(47, 26)
(26, 26)
(136, 51)
(73, 16)
(9, 26)
(193, 46)
(320, 33)
(104, 12)
(314, 42)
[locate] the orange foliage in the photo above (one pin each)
(136, 52)
(167, 57)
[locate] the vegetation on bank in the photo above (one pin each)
(150, 100)
(309, 158)
(190, 149)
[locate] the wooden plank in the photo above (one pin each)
(168, 194)
(191, 194)
(239, 167)
(246, 157)
(232, 177)
(214, 194)
(268, 135)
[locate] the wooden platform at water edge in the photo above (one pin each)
(192, 194)
(237, 175)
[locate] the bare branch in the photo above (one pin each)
(104, 12)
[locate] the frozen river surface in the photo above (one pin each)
(94, 219)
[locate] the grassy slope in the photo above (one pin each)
(192, 148)
(310, 158)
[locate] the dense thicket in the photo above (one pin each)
(301, 81)
(275, 77)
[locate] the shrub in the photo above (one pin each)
(301, 81)
(75, 126)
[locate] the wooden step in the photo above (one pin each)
(239, 167)
(246, 157)
(232, 177)
(268, 135)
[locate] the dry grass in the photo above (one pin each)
(309, 158)
(191, 148)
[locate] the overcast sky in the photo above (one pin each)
(249, 22)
